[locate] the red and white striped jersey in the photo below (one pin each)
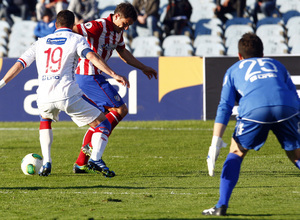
(102, 39)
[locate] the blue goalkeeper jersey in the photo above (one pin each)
(257, 84)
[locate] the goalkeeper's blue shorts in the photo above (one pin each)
(252, 135)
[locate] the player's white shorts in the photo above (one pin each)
(81, 111)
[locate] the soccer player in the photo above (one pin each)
(104, 35)
(56, 57)
(267, 101)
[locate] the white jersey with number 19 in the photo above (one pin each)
(56, 58)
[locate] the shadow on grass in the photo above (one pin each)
(87, 187)
(122, 187)
(270, 173)
(71, 187)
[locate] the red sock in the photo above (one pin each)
(45, 124)
(83, 158)
(114, 118)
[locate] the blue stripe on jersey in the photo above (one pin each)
(63, 29)
(85, 52)
(22, 62)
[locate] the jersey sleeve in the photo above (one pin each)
(28, 56)
(291, 85)
(288, 80)
(227, 101)
(82, 45)
(91, 29)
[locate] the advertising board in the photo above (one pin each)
(177, 94)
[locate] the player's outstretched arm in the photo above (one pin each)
(100, 64)
(12, 73)
(128, 58)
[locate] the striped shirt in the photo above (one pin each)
(102, 39)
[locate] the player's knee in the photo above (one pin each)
(123, 110)
(297, 164)
(237, 149)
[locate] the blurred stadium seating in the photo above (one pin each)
(210, 49)
(179, 50)
(21, 37)
(279, 33)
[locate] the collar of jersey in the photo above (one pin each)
(110, 22)
(63, 29)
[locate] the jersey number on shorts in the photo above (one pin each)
(54, 58)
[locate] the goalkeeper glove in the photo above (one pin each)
(2, 83)
(214, 150)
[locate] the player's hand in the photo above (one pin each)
(142, 19)
(214, 150)
(218, 8)
(226, 3)
(122, 80)
(150, 72)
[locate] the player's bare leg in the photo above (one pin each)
(117, 113)
(237, 149)
(294, 156)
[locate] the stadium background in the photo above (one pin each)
(189, 83)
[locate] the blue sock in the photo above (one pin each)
(229, 177)
(297, 163)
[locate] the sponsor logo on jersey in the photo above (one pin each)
(44, 77)
(262, 76)
(57, 41)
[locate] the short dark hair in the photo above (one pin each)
(65, 18)
(250, 45)
(48, 12)
(126, 10)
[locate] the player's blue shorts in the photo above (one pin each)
(252, 135)
(100, 91)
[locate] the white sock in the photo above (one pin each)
(46, 138)
(99, 142)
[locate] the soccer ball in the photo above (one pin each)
(31, 164)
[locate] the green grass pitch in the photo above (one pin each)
(161, 174)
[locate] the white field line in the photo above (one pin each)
(121, 128)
